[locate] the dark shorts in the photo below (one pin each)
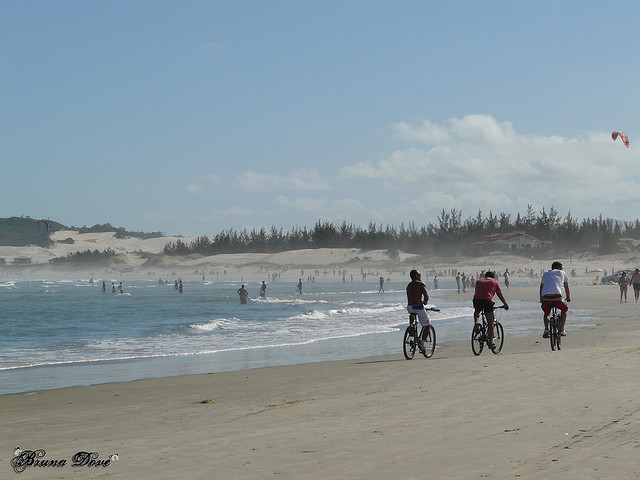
(483, 305)
(636, 287)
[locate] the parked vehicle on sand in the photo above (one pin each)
(614, 277)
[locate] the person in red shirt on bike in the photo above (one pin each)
(486, 288)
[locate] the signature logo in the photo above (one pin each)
(22, 459)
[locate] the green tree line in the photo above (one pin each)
(451, 234)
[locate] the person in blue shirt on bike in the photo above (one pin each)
(417, 298)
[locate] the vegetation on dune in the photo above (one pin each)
(23, 231)
(120, 231)
(87, 257)
(451, 235)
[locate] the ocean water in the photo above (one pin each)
(58, 333)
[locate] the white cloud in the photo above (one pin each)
(231, 212)
(308, 180)
(208, 177)
(477, 162)
(426, 132)
(194, 188)
(306, 205)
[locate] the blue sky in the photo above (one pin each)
(193, 117)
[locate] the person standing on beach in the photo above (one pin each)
(381, 289)
(244, 294)
(486, 288)
(458, 281)
(624, 283)
(417, 298)
(635, 281)
(300, 286)
(506, 277)
(554, 284)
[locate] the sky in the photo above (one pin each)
(194, 117)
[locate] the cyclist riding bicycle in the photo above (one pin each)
(486, 288)
(555, 283)
(417, 298)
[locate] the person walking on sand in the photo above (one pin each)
(486, 287)
(244, 294)
(624, 283)
(554, 284)
(417, 298)
(635, 281)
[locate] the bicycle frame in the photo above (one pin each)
(412, 337)
(554, 328)
(479, 335)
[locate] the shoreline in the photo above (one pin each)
(44, 377)
(364, 418)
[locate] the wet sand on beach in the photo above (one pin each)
(527, 413)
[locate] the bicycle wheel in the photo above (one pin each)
(409, 344)
(498, 336)
(430, 342)
(477, 339)
(558, 336)
(553, 333)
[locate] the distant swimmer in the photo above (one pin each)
(121, 288)
(113, 287)
(180, 287)
(175, 285)
(300, 286)
(263, 290)
(104, 286)
(244, 294)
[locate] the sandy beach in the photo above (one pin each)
(527, 413)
